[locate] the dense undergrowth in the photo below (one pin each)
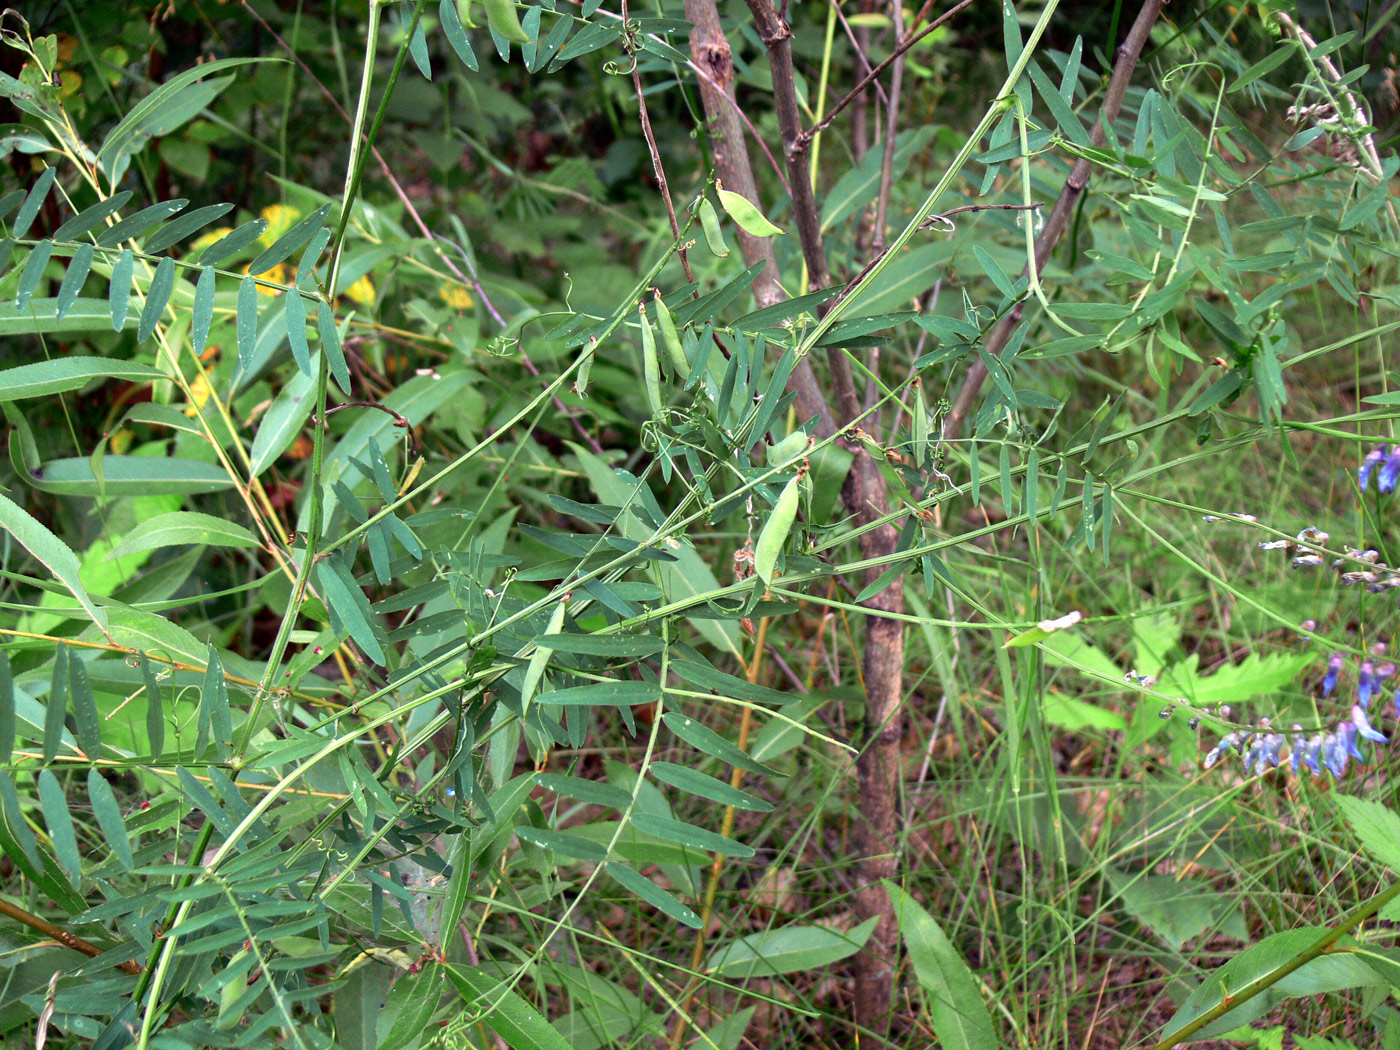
(476, 573)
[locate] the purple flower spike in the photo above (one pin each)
(1366, 683)
(1314, 749)
(1390, 472)
(1346, 733)
(1334, 668)
(1369, 463)
(1363, 725)
(1334, 756)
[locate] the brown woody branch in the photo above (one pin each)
(1128, 54)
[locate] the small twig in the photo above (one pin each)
(900, 48)
(744, 119)
(399, 420)
(62, 936)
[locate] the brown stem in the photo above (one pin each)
(865, 499)
(62, 936)
(1128, 54)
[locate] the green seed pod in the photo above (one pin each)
(464, 14)
(501, 14)
(775, 530)
(651, 367)
(709, 222)
(745, 212)
(671, 339)
(787, 449)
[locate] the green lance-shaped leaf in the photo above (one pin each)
(564, 842)
(595, 792)
(78, 269)
(184, 226)
(653, 894)
(296, 329)
(215, 724)
(109, 817)
(33, 270)
(306, 265)
(956, 1010)
(20, 845)
(689, 835)
(247, 320)
(202, 315)
(451, 15)
(330, 342)
(87, 725)
(708, 742)
(155, 711)
(651, 369)
(51, 551)
(693, 782)
(57, 706)
(137, 224)
(179, 528)
(10, 201)
(775, 530)
(90, 217)
(709, 225)
(539, 659)
(519, 1024)
(33, 202)
(60, 824)
(282, 248)
(119, 289)
(745, 213)
(45, 378)
(7, 710)
(348, 607)
(796, 948)
(156, 297)
(282, 422)
(232, 243)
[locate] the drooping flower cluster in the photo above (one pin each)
(1331, 751)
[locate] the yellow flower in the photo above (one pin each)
(200, 392)
(361, 292)
(204, 240)
(280, 218)
(455, 296)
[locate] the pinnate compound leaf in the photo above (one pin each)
(180, 528)
(1376, 825)
(91, 216)
(44, 378)
(503, 1011)
(51, 551)
(653, 894)
(956, 1010)
(787, 949)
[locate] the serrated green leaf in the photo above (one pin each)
(1376, 825)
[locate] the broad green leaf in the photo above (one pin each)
(956, 1010)
(109, 817)
(78, 269)
(409, 1006)
(281, 423)
(51, 551)
(91, 216)
(491, 1001)
(130, 476)
(44, 378)
(42, 316)
(707, 741)
(787, 949)
(653, 894)
(1073, 714)
(179, 528)
(694, 782)
(60, 824)
(1333, 971)
(1376, 825)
